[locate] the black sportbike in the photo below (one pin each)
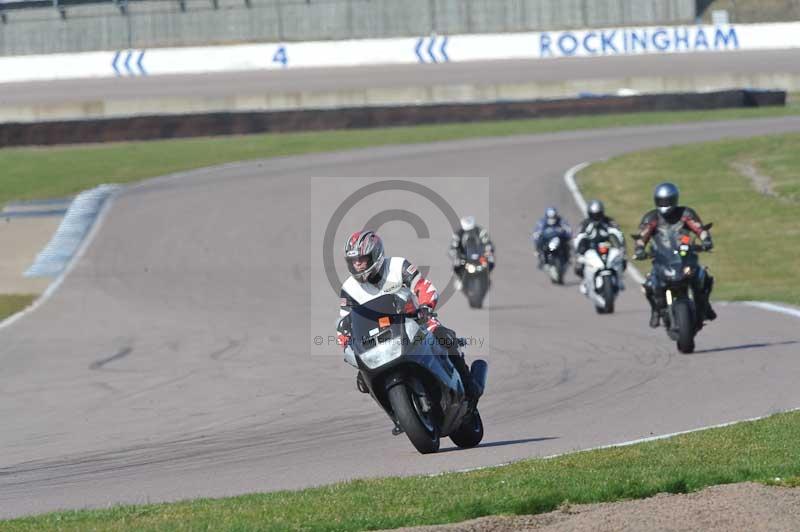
(679, 274)
(410, 375)
(475, 280)
(555, 254)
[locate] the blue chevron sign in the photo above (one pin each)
(428, 53)
(133, 69)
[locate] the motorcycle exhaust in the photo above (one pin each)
(479, 371)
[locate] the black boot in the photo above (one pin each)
(448, 339)
(655, 318)
(708, 312)
(470, 386)
(655, 313)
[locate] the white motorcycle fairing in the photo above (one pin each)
(597, 272)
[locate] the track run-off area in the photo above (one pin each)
(173, 361)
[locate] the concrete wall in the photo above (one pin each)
(159, 23)
(106, 108)
(195, 125)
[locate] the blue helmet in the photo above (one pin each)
(552, 216)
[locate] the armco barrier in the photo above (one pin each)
(211, 124)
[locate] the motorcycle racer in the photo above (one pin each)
(372, 275)
(549, 225)
(469, 230)
(657, 225)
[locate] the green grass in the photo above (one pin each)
(37, 173)
(755, 451)
(757, 237)
(13, 303)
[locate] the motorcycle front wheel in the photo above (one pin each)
(608, 297)
(685, 326)
(420, 427)
(557, 271)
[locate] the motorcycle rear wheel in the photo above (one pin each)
(420, 429)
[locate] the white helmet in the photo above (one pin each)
(468, 223)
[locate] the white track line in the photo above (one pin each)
(73, 261)
(625, 443)
(772, 307)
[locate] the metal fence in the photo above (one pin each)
(753, 11)
(74, 27)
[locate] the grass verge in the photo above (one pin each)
(13, 303)
(757, 236)
(38, 173)
(756, 451)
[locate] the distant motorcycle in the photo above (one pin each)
(410, 375)
(678, 268)
(603, 270)
(475, 280)
(556, 255)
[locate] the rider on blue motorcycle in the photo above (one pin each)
(548, 226)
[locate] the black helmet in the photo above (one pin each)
(665, 197)
(595, 210)
(364, 245)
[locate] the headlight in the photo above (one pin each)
(554, 243)
(470, 268)
(687, 270)
(383, 353)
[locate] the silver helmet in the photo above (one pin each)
(596, 210)
(665, 197)
(467, 223)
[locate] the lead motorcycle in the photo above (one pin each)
(678, 269)
(410, 375)
(603, 271)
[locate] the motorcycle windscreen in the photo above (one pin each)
(381, 329)
(674, 259)
(666, 250)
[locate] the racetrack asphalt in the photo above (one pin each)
(472, 73)
(173, 361)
